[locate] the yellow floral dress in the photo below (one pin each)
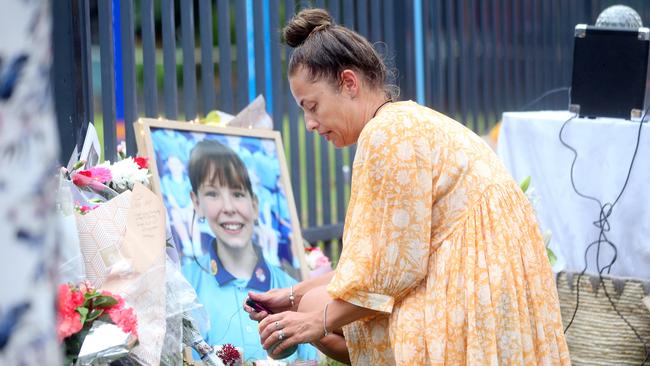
(441, 240)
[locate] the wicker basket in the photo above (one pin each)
(598, 336)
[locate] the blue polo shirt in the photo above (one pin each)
(223, 296)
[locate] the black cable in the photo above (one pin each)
(544, 95)
(605, 211)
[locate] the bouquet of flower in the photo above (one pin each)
(317, 262)
(94, 325)
(120, 226)
(105, 181)
(119, 245)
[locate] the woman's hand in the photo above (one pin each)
(291, 328)
(275, 300)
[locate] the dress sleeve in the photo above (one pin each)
(386, 239)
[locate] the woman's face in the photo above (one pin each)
(230, 213)
(327, 111)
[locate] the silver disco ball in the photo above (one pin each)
(619, 16)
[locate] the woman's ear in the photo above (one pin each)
(350, 82)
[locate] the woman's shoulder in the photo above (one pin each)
(402, 117)
(399, 123)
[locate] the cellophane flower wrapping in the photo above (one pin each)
(194, 339)
(104, 343)
(71, 264)
(94, 326)
(183, 312)
(123, 245)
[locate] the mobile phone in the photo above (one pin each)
(257, 307)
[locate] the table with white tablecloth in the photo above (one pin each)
(529, 145)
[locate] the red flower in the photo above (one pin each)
(93, 177)
(228, 354)
(142, 162)
(85, 209)
(81, 179)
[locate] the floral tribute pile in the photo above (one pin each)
(80, 308)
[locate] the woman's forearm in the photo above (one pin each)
(303, 287)
(339, 313)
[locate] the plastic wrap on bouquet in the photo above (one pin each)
(105, 342)
(123, 245)
(71, 265)
(181, 301)
(193, 338)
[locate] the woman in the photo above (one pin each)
(442, 261)
(223, 198)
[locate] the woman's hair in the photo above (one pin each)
(210, 157)
(325, 50)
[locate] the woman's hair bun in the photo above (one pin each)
(303, 24)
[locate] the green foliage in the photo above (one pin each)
(551, 256)
(84, 313)
(525, 184)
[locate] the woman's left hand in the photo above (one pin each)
(291, 328)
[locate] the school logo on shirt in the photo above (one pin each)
(213, 267)
(259, 273)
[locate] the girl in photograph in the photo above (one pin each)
(223, 198)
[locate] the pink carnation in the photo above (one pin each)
(124, 318)
(68, 319)
(68, 325)
(102, 174)
(69, 299)
(120, 315)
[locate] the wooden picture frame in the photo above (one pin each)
(263, 166)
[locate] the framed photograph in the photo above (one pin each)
(171, 146)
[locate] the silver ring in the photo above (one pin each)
(277, 325)
(281, 335)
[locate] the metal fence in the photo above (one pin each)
(181, 59)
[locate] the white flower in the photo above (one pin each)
(125, 173)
